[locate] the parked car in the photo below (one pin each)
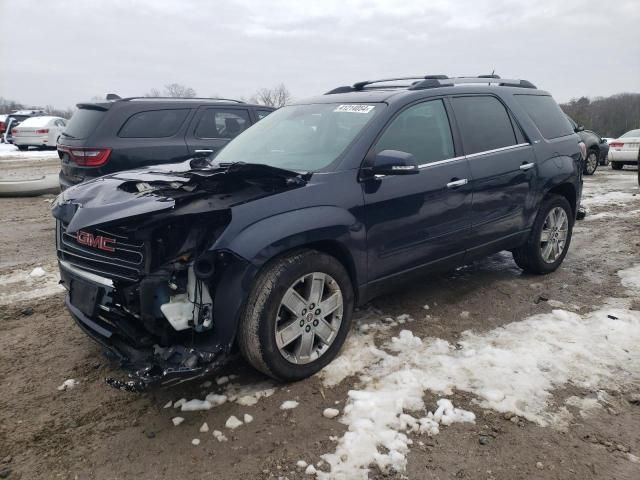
(107, 137)
(15, 118)
(3, 124)
(38, 132)
(624, 149)
(597, 148)
(321, 206)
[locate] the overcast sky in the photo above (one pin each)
(61, 52)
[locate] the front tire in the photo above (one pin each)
(549, 239)
(297, 316)
(23, 148)
(591, 163)
(617, 165)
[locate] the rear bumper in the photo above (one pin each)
(145, 363)
(629, 157)
(32, 141)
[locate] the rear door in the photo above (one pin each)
(213, 127)
(416, 220)
(502, 166)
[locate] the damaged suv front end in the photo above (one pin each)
(138, 256)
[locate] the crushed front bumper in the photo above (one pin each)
(90, 303)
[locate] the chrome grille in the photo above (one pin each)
(126, 262)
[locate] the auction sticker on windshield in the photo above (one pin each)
(355, 108)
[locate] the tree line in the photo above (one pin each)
(609, 117)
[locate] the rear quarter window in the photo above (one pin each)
(83, 122)
(154, 123)
(546, 114)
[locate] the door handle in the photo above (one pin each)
(527, 166)
(204, 151)
(457, 183)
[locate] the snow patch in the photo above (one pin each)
(195, 405)
(68, 384)
(289, 405)
(195, 441)
(218, 435)
(630, 277)
(233, 422)
(247, 418)
(37, 272)
(204, 428)
(331, 412)
(177, 421)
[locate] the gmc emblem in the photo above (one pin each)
(96, 241)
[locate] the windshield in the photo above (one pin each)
(300, 137)
(632, 133)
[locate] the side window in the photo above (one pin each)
(547, 115)
(153, 124)
(222, 123)
(262, 113)
(422, 130)
(484, 124)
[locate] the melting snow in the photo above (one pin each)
(37, 272)
(195, 441)
(204, 428)
(288, 405)
(247, 418)
(513, 368)
(233, 422)
(68, 384)
(331, 412)
(217, 434)
(195, 405)
(630, 277)
(177, 420)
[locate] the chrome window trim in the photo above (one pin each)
(496, 150)
(441, 162)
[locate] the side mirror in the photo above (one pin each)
(579, 128)
(394, 162)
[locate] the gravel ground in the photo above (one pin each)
(91, 431)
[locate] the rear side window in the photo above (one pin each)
(422, 130)
(262, 113)
(222, 123)
(154, 124)
(546, 114)
(83, 122)
(484, 124)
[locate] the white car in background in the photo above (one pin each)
(38, 132)
(624, 149)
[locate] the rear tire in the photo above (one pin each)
(266, 321)
(617, 165)
(530, 257)
(591, 163)
(22, 148)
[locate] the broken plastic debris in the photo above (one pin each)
(68, 384)
(177, 421)
(233, 422)
(331, 412)
(288, 405)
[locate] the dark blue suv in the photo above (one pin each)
(321, 206)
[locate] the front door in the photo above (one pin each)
(414, 220)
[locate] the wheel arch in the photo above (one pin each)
(568, 191)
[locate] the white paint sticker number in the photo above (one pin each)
(354, 108)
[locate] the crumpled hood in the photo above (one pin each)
(148, 191)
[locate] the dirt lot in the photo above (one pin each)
(94, 432)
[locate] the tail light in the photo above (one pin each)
(616, 144)
(1, 126)
(14, 131)
(42, 131)
(583, 150)
(87, 157)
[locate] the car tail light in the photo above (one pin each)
(1, 126)
(616, 144)
(583, 150)
(14, 131)
(42, 131)
(87, 157)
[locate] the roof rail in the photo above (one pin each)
(184, 98)
(434, 81)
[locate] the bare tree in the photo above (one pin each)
(277, 96)
(172, 90)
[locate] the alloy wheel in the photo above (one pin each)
(553, 237)
(592, 163)
(309, 318)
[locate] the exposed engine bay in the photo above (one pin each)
(137, 254)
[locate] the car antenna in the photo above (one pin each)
(113, 96)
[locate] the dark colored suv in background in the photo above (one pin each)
(597, 147)
(107, 137)
(321, 206)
